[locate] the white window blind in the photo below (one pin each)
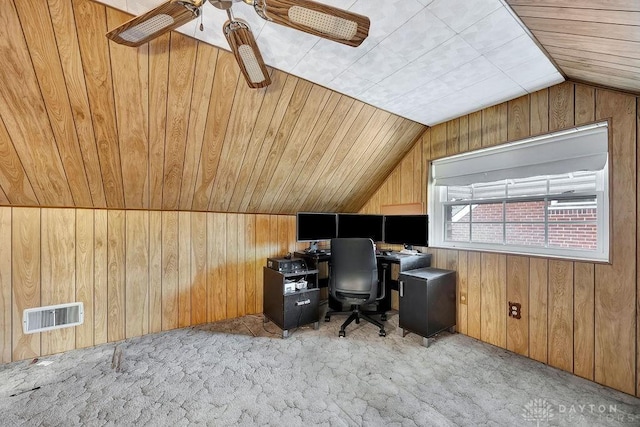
(582, 148)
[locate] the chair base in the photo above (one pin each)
(357, 315)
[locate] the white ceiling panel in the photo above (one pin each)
(426, 60)
(492, 31)
(418, 36)
(461, 14)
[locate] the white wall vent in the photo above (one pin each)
(42, 319)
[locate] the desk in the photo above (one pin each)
(391, 265)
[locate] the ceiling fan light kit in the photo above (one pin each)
(304, 15)
(247, 54)
(154, 23)
(316, 18)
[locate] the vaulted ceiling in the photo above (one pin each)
(172, 125)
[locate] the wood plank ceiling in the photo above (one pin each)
(592, 41)
(172, 125)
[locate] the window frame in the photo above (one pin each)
(437, 203)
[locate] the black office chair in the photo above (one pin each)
(353, 278)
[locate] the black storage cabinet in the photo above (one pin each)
(427, 301)
(293, 309)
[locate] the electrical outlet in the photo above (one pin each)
(463, 298)
(514, 309)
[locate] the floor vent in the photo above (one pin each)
(42, 319)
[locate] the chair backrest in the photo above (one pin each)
(354, 270)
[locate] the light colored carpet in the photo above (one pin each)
(240, 372)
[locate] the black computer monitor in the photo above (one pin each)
(315, 226)
(407, 230)
(357, 225)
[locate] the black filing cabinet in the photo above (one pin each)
(427, 301)
(292, 309)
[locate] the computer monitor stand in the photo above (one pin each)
(408, 249)
(313, 248)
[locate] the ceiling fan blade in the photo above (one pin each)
(156, 22)
(316, 18)
(247, 54)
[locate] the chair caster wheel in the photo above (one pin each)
(357, 321)
(341, 334)
(382, 333)
(327, 318)
(383, 317)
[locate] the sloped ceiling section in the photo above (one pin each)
(592, 41)
(171, 125)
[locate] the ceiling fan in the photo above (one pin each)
(304, 15)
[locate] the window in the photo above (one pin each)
(545, 196)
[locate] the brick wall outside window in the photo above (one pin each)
(568, 227)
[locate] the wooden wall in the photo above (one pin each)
(577, 316)
(136, 272)
(172, 125)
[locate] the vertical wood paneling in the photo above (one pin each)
(100, 276)
(438, 141)
(494, 125)
(25, 273)
(170, 289)
(585, 104)
(574, 313)
(475, 130)
(583, 326)
(158, 90)
(561, 106)
(540, 112)
(538, 308)
(493, 299)
(241, 290)
(85, 275)
(200, 98)
(239, 131)
(64, 25)
(518, 122)
(231, 265)
(266, 133)
(172, 125)
(94, 50)
(137, 273)
(5, 285)
(615, 284)
(463, 291)
(518, 292)
(182, 63)
(155, 271)
(130, 94)
(251, 264)
(57, 271)
(262, 252)
(474, 296)
(13, 177)
(184, 269)
(560, 315)
(217, 251)
(453, 137)
(41, 40)
(464, 134)
(220, 106)
(116, 275)
(32, 138)
(198, 267)
(419, 177)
